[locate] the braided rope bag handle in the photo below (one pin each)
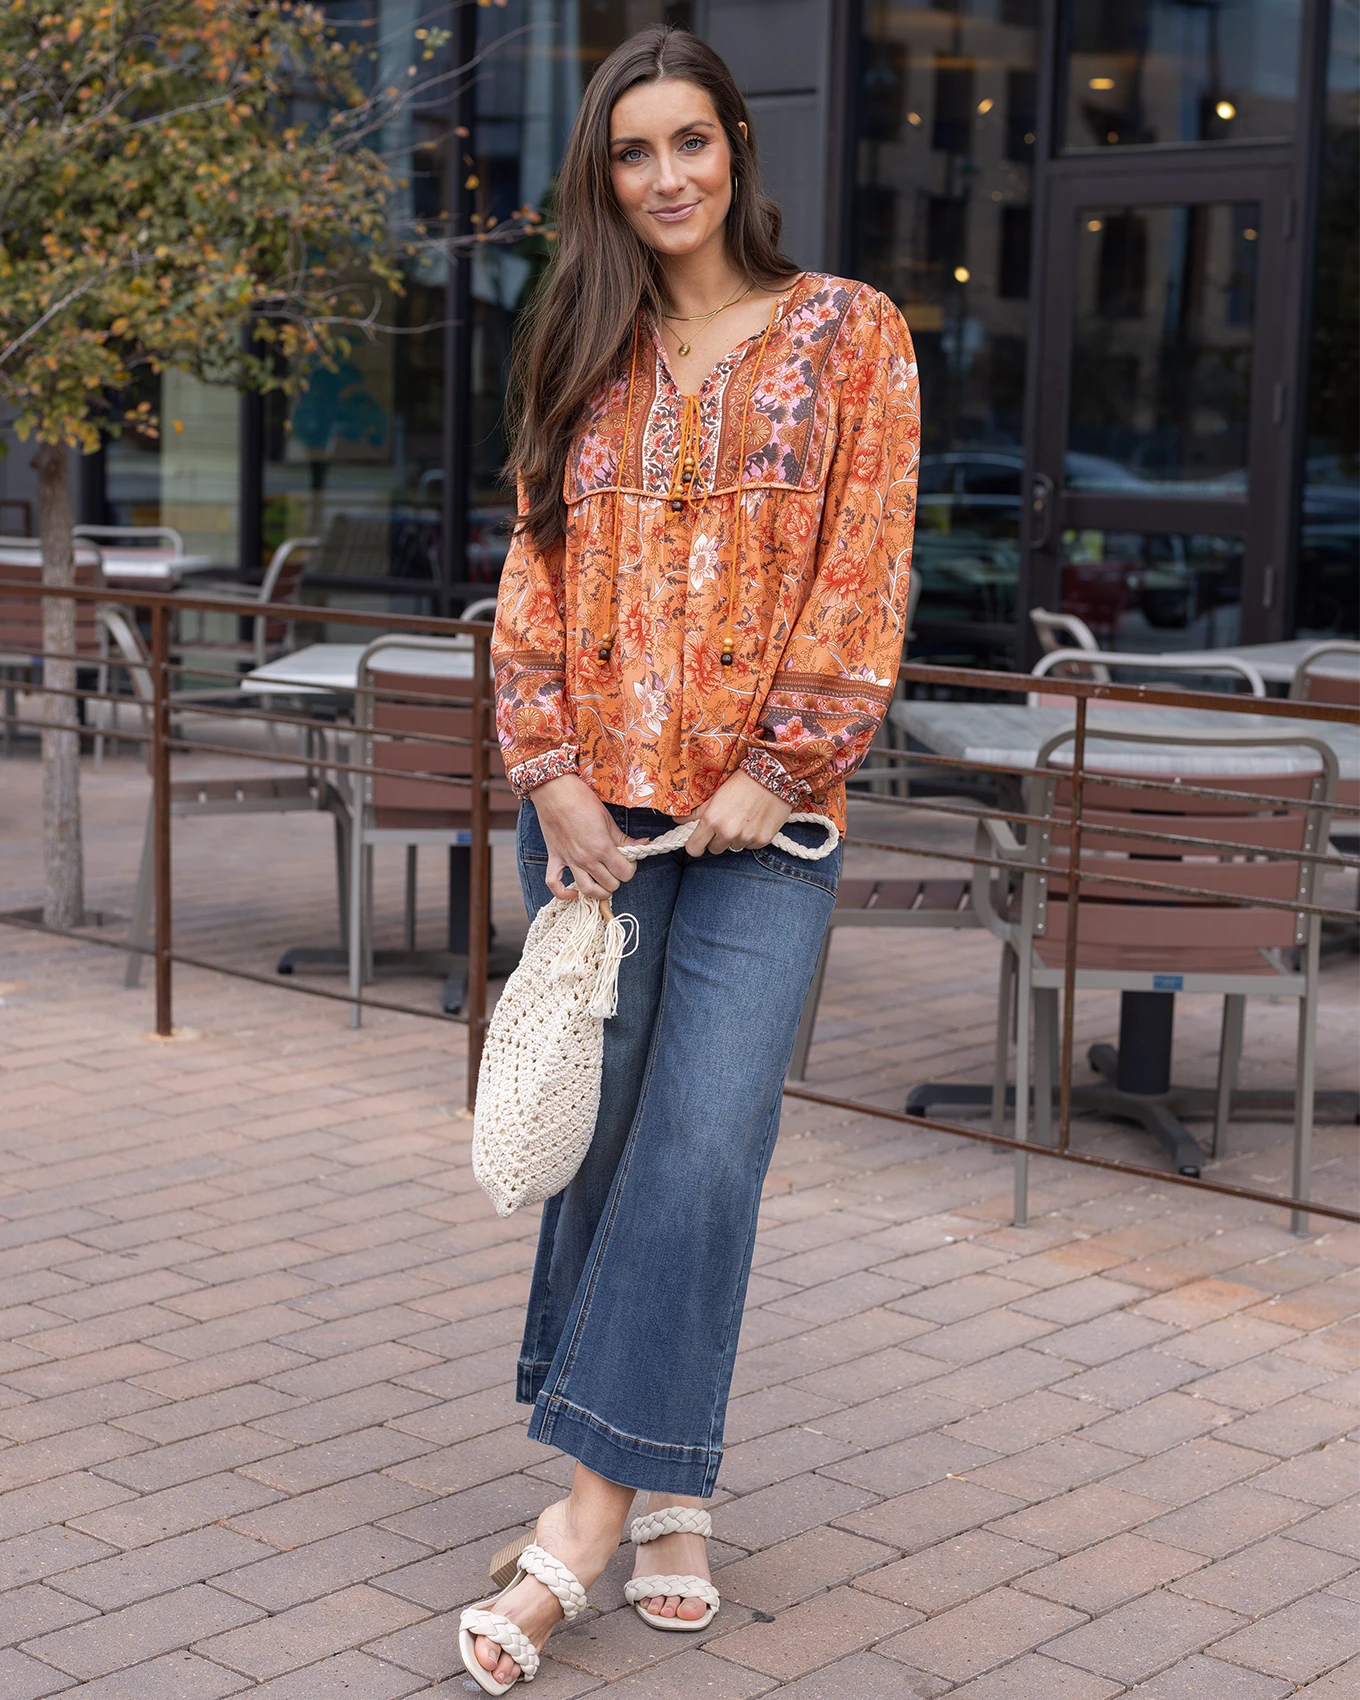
(679, 836)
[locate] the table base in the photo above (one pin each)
(1160, 1113)
(319, 959)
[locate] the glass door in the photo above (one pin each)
(1162, 417)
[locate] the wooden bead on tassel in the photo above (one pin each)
(727, 652)
(606, 646)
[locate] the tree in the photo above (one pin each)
(171, 172)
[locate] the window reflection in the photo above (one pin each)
(945, 140)
(1154, 591)
(1162, 348)
(1329, 554)
(1142, 71)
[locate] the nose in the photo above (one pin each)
(669, 180)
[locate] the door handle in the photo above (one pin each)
(1041, 497)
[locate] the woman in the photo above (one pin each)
(700, 618)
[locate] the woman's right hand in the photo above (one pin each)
(581, 835)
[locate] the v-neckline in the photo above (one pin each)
(777, 312)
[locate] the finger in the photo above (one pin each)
(718, 843)
(622, 867)
(555, 883)
(597, 885)
(699, 839)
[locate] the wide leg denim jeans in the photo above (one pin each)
(643, 1260)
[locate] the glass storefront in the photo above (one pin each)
(1146, 71)
(946, 123)
(1328, 597)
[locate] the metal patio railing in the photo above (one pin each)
(478, 696)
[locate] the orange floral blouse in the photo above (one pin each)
(791, 475)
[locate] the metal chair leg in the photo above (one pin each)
(139, 930)
(1005, 999)
(1307, 1059)
(802, 1044)
(412, 853)
(1229, 1056)
(358, 858)
(1045, 1063)
(1024, 1014)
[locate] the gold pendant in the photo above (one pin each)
(684, 348)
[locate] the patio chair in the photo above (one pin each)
(1065, 658)
(881, 903)
(1130, 939)
(119, 535)
(391, 808)
(1056, 631)
(270, 635)
(21, 624)
(1309, 685)
(251, 793)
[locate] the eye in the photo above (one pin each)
(693, 143)
(629, 156)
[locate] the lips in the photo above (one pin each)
(674, 215)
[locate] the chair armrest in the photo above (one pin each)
(986, 881)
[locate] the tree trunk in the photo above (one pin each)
(63, 860)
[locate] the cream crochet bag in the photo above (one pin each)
(538, 1092)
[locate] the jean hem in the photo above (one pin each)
(626, 1459)
(529, 1378)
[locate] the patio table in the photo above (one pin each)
(1136, 1074)
(332, 670)
(153, 569)
(1275, 662)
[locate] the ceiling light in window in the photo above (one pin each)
(1095, 224)
(1029, 138)
(1248, 235)
(1101, 83)
(1112, 135)
(1226, 109)
(986, 105)
(914, 118)
(961, 274)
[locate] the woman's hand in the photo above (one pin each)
(740, 815)
(581, 835)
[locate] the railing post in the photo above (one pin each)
(160, 810)
(479, 873)
(1069, 1014)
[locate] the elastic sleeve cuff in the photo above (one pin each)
(761, 766)
(529, 775)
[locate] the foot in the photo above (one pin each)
(529, 1604)
(673, 1555)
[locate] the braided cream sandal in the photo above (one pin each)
(673, 1520)
(508, 1636)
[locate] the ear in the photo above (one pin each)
(745, 132)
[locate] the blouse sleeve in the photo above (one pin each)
(839, 667)
(528, 650)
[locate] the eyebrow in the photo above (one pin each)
(681, 130)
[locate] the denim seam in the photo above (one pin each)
(735, 1314)
(658, 1447)
(793, 873)
(608, 1227)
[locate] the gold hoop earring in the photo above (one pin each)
(736, 184)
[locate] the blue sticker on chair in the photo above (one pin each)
(1168, 982)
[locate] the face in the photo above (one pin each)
(672, 167)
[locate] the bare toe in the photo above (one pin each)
(671, 1606)
(691, 1609)
(507, 1670)
(488, 1653)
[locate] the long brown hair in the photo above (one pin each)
(581, 321)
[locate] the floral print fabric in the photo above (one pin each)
(828, 421)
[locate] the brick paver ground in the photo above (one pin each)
(256, 1420)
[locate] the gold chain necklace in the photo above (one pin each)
(695, 318)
